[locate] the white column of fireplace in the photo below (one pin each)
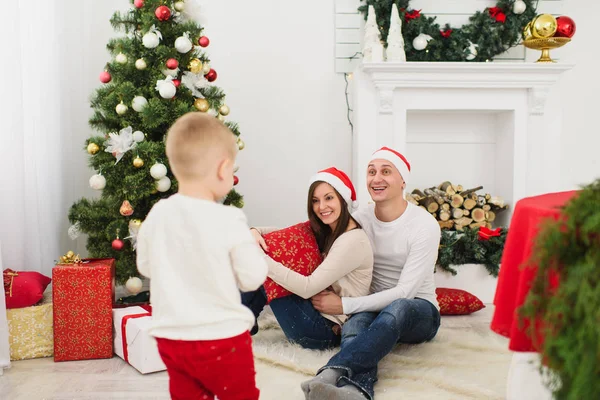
(506, 105)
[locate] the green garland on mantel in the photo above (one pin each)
(467, 247)
(565, 297)
(493, 31)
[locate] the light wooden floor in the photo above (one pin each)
(43, 379)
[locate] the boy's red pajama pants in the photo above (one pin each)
(208, 368)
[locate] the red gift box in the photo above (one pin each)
(83, 295)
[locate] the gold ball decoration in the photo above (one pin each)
(138, 162)
(224, 110)
(543, 26)
(527, 34)
(221, 118)
(93, 148)
(70, 254)
(241, 144)
(195, 66)
(201, 105)
(135, 223)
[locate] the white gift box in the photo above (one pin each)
(142, 350)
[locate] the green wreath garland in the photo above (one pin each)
(469, 247)
(493, 31)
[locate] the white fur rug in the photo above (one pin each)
(460, 363)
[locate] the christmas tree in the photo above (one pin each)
(158, 72)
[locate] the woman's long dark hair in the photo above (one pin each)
(325, 237)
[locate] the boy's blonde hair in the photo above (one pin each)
(195, 142)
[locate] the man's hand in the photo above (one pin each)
(259, 239)
(328, 302)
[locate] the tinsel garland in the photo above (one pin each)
(467, 247)
(493, 30)
(568, 251)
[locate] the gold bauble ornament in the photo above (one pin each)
(224, 110)
(241, 144)
(195, 66)
(221, 118)
(201, 105)
(93, 148)
(527, 34)
(70, 254)
(138, 162)
(135, 223)
(543, 26)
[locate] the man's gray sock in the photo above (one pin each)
(328, 376)
(322, 391)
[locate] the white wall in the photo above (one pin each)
(275, 61)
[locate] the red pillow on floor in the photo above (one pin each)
(296, 248)
(457, 302)
(24, 288)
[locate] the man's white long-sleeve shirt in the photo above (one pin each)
(198, 255)
(405, 252)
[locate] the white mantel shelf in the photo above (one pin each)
(465, 75)
(526, 139)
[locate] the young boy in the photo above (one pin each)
(199, 254)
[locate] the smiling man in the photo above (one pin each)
(402, 306)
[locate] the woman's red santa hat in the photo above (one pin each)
(340, 182)
(397, 160)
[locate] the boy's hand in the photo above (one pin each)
(327, 302)
(259, 239)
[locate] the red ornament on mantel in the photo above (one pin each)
(565, 27)
(211, 76)
(105, 77)
(118, 244)
(236, 180)
(446, 33)
(138, 3)
(203, 41)
(176, 82)
(163, 13)
(172, 63)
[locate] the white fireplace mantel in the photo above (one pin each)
(386, 95)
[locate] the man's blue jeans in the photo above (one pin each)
(367, 337)
(299, 320)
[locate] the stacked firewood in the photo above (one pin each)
(456, 208)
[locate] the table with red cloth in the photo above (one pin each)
(515, 278)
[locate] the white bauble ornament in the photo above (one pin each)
(171, 72)
(167, 90)
(134, 285)
(183, 44)
(138, 103)
(519, 7)
(420, 42)
(158, 171)
(121, 58)
(471, 51)
(97, 182)
(179, 6)
(138, 136)
(163, 184)
(205, 68)
(121, 108)
(150, 40)
(140, 64)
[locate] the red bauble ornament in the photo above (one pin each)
(138, 3)
(172, 63)
(176, 82)
(105, 77)
(565, 27)
(163, 13)
(203, 41)
(236, 180)
(211, 76)
(118, 244)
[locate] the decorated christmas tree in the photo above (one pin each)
(159, 71)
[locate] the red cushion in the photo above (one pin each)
(296, 248)
(24, 289)
(457, 302)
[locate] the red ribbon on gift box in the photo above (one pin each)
(124, 325)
